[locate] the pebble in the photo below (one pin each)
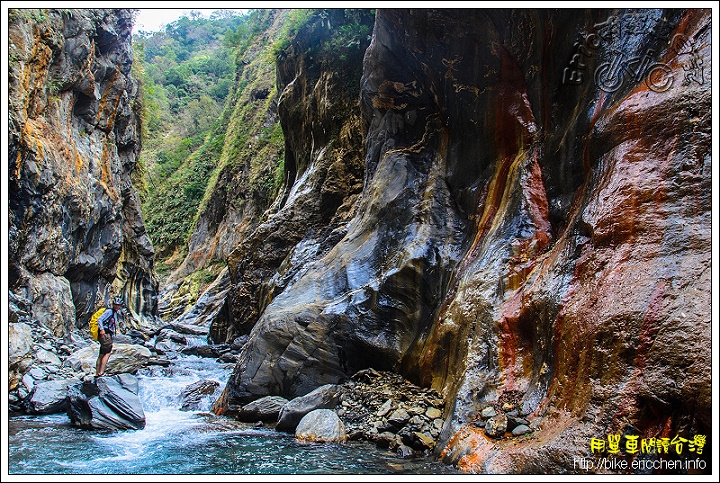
(433, 413)
(385, 408)
(488, 412)
(404, 451)
(379, 403)
(496, 426)
(36, 373)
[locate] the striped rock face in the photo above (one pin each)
(76, 234)
(534, 229)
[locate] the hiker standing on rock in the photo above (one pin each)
(107, 325)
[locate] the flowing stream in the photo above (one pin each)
(176, 442)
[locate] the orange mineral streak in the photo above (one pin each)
(538, 204)
(514, 132)
(106, 175)
(682, 39)
(78, 162)
(624, 224)
(473, 452)
(475, 445)
(628, 405)
(103, 105)
(510, 352)
(18, 165)
(35, 78)
(527, 250)
(221, 405)
(32, 135)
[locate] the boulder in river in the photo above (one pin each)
(49, 397)
(192, 395)
(124, 358)
(111, 402)
(324, 397)
(265, 409)
(321, 426)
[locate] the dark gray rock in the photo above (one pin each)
(520, 430)
(109, 403)
(488, 412)
(76, 232)
(49, 397)
(192, 395)
(324, 397)
(496, 426)
(404, 451)
(514, 421)
(207, 350)
(386, 439)
(265, 409)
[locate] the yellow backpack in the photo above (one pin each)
(94, 323)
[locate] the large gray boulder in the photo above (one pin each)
(19, 352)
(192, 395)
(324, 397)
(52, 303)
(264, 409)
(321, 426)
(123, 358)
(110, 403)
(49, 397)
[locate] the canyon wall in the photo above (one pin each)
(511, 207)
(317, 105)
(242, 187)
(76, 233)
(533, 229)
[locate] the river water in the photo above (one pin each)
(176, 442)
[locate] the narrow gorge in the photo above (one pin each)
(507, 209)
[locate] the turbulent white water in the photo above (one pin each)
(176, 442)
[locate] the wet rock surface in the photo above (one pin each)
(106, 403)
(124, 358)
(76, 231)
(192, 395)
(49, 397)
(322, 181)
(264, 409)
(324, 397)
(321, 426)
(37, 356)
(513, 237)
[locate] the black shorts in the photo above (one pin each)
(106, 343)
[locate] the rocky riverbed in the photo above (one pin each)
(377, 406)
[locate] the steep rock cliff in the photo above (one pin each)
(323, 171)
(244, 182)
(534, 228)
(76, 234)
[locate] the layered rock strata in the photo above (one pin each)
(323, 168)
(534, 227)
(76, 235)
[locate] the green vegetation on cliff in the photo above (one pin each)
(191, 81)
(210, 109)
